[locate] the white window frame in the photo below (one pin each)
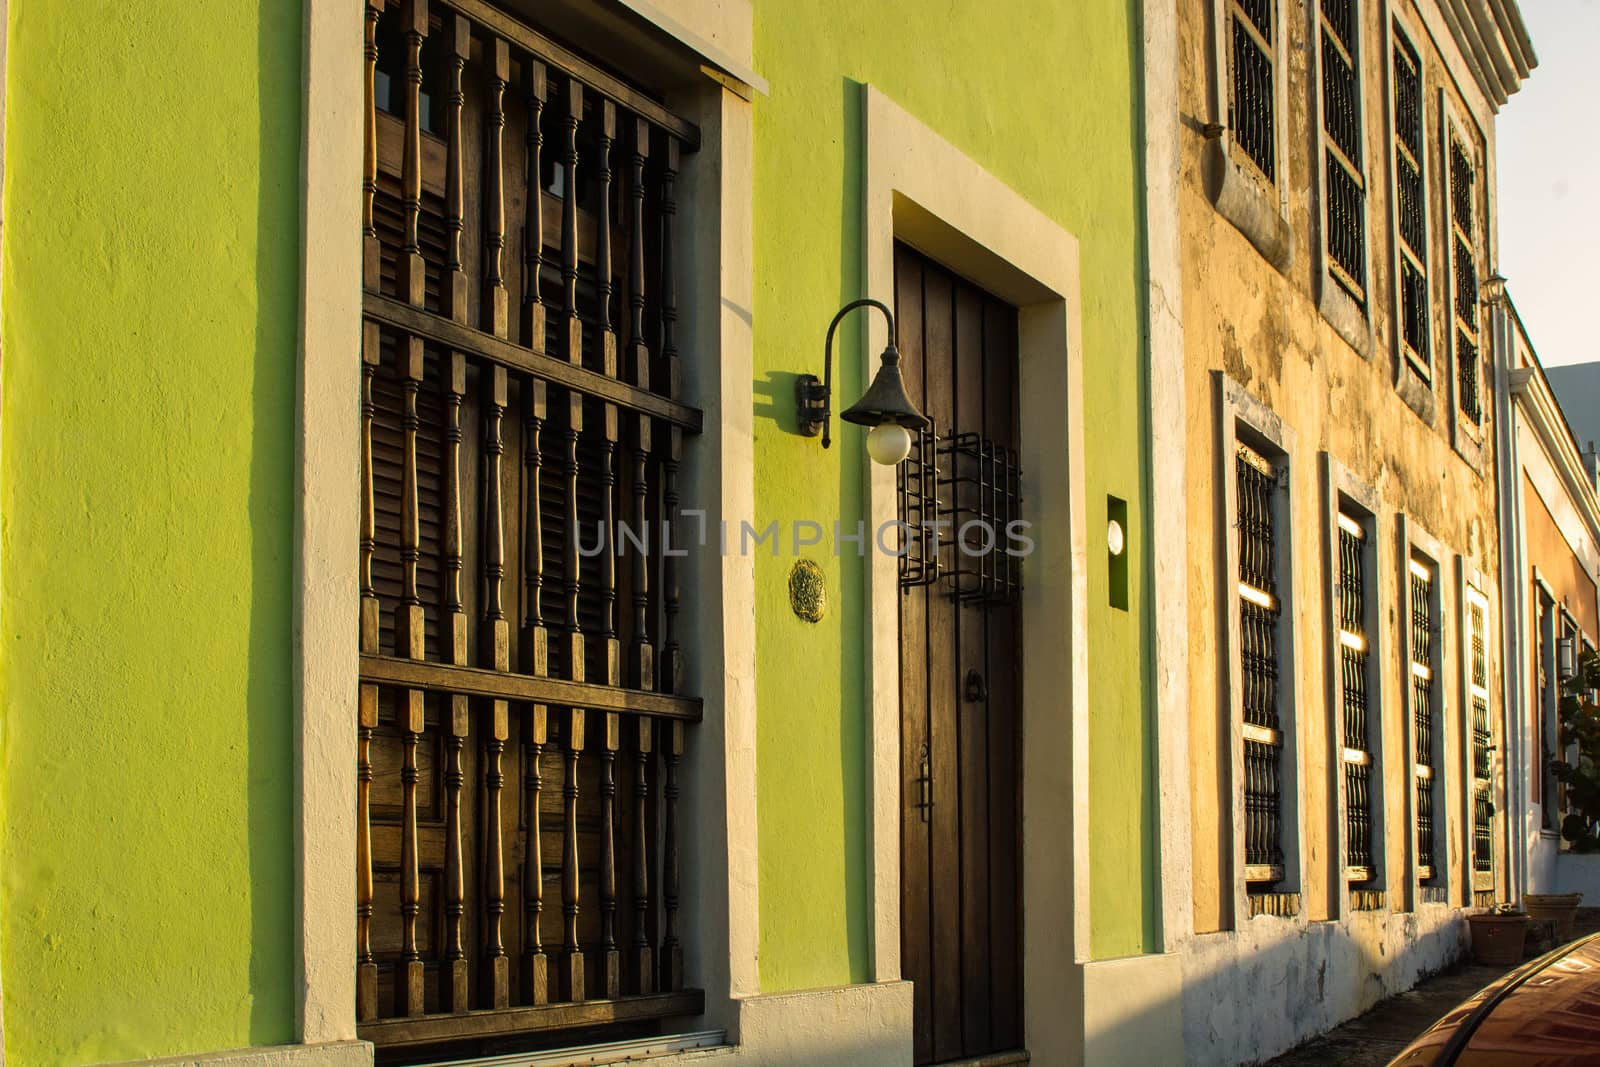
(1415, 381)
(1238, 189)
(1353, 502)
(1241, 418)
(1467, 435)
(1350, 318)
(1418, 548)
(1471, 595)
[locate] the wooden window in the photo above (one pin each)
(521, 720)
(1481, 846)
(1260, 610)
(1411, 208)
(1359, 755)
(1252, 96)
(1463, 243)
(1427, 738)
(1345, 192)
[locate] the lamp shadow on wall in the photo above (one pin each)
(774, 399)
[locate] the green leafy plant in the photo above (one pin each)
(1580, 727)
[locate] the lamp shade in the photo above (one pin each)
(885, 401)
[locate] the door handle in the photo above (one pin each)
(977, 688)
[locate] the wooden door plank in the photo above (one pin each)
(916, 961)
(973, 374)
(945, 877)
(1004, 742)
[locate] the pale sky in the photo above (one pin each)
(1549, 183)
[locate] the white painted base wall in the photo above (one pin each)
(1250, 995)
(1578, 873)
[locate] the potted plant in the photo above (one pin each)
(1579, 728)
(1498, 935)
(1557, 909)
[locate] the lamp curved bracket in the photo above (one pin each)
(814, 399)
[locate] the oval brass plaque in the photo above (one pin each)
(808, 595)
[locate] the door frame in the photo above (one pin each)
(920, 189)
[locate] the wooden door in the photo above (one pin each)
(959, 663)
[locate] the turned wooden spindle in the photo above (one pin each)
(454, 386)
(535, 970)
(370, 247)
(366, 965)
(533, 227)
(569, 221)
(572, 978)
(408, 987)
(455, 278)
(410, 270)
(453, 969)
(671, 676)
(496, 314)
(644, 968)
(611, 983)
(642, 669)
(410, 634)
(494, 644)
(573, 638)
(534, 642)
(671, 946)
(369, 518)
(609, 416)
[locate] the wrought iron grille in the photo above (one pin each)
(1465, 269)
(1358, 815)
(1482, 738)
(1257, 548)
(918, 483)
(1345, 209)
(1259, 611)
(1422, 711)
(1353, 671)
(1262, 792)
(1252, 105)
(1357, 757)
(978, 484)
(1425, 824)
(1482, 839)
(1411, 251)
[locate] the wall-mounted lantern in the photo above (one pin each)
(884, 408)
(1566, 658)
(1493, 290)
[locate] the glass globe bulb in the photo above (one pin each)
(888, 443)
(1114, 537)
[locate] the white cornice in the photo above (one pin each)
(1494, 42)
(1532, 393)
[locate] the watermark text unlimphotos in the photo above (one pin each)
(693, 532)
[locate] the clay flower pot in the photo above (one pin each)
(1558, 908)
(1498, 937)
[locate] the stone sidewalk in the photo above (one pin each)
(1375, 1038)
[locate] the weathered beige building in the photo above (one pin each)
(1340, 668)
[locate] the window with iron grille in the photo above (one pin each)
(1345, 194)
(522, 720)
(1464, 268)
(1411, 208)
(1359, 758)
(1259, 662)
(1252, 102)
(1482, 734)
(1424, 713)
(1571, 634)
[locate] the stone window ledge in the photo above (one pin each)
(1253, 208)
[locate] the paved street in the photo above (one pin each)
(1378, 1036)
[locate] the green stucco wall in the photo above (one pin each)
(1045, 96)
(150, 265)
